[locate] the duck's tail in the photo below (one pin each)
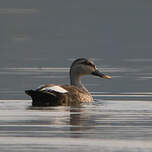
(30, 92)
(40, 98)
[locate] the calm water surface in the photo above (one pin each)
(116, 121)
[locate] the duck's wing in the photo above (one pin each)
(52, 88)
(47, 95)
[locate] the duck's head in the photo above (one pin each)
(84, 66)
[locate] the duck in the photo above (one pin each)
(75, 93)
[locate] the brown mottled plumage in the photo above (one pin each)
(76, 93)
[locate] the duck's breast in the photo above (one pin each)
(78, 94)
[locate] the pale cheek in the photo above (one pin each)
(90, 70)
(85, 70)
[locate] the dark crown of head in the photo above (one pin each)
(83, 61)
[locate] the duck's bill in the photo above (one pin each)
(98, 73)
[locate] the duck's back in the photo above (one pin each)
(53, 95)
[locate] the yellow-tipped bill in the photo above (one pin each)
(98, 73)
(107, 77)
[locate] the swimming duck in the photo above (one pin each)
(53, 95)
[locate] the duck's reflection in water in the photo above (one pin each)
(73, 120)
(80, 119)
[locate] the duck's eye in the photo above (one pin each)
(88, 63)
(85, 63)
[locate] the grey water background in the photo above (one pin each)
(38, 42)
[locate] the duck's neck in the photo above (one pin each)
(75, 80)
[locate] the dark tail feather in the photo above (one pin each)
(30, 92)
(40, 98)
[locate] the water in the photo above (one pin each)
(38, 42)
(116, 121)
(109, 125)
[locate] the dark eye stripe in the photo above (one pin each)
(85, 63)
(88, 63)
